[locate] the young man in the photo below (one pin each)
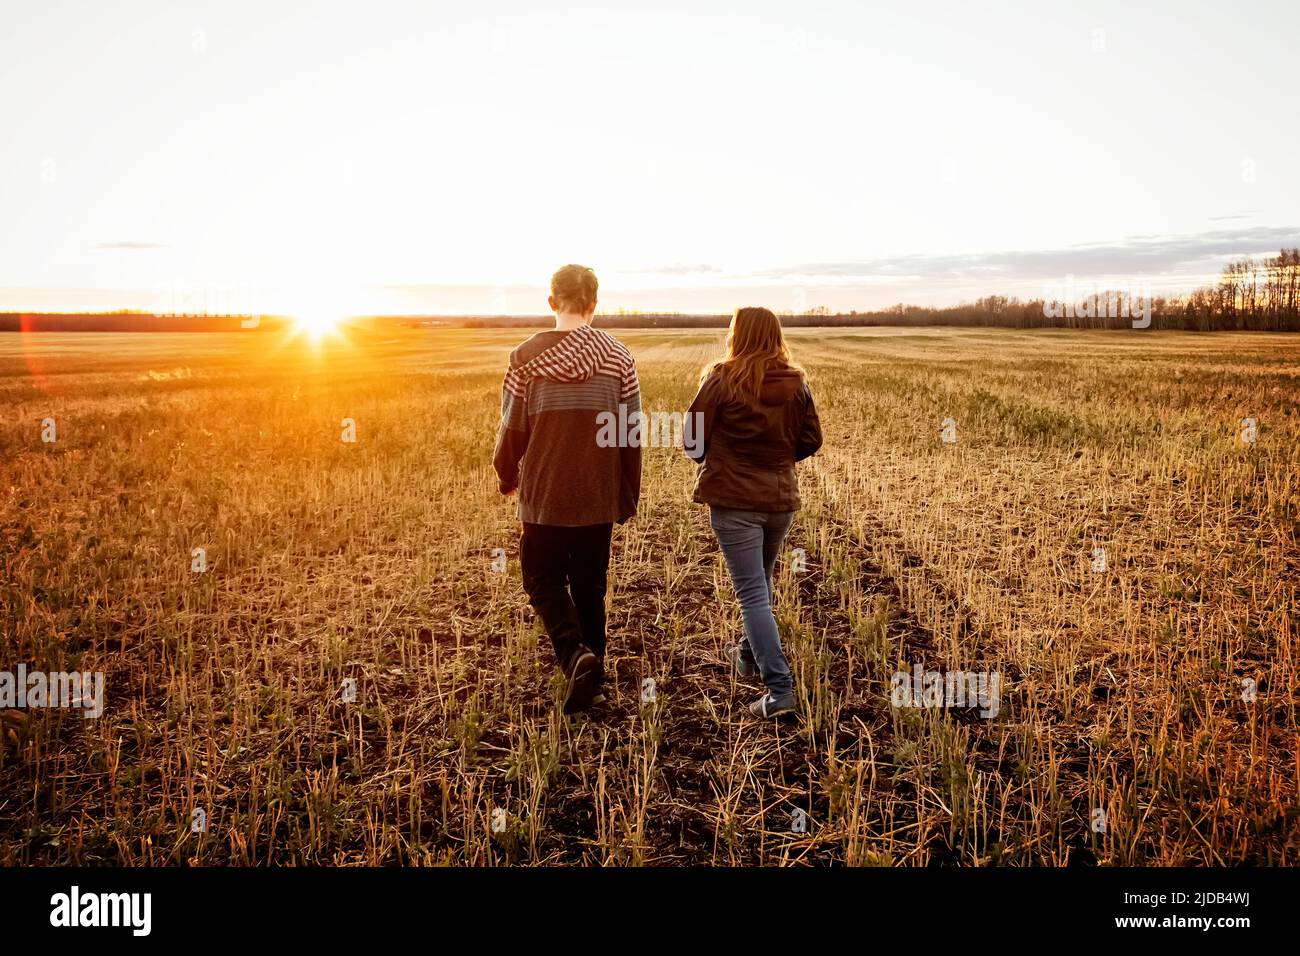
(572, 487)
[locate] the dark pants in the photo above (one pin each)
(564, 575)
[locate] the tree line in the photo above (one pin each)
(1252, 294)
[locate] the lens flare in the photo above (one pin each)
(316, 324)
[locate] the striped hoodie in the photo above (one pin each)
(555, 389)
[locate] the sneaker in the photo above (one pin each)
(583, 675)
(769, 706)
(742, 662)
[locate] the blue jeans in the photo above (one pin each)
(751, 541)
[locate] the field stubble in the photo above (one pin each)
(327, 561)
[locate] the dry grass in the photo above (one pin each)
(372, 561)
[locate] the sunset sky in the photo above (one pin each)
(444, 157)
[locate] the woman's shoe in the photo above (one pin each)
(769, 706)
(743, 665)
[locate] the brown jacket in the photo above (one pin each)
(750, 446)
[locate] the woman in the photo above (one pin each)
(758, 419)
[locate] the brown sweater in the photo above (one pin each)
(751, 444)
(547, 444)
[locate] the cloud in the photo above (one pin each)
(425, 288)
(677, 269)
(130, 246)
(1134, 255)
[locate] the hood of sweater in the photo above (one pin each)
(574, 358)
(779, 384)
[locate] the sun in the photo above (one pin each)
(317, 324)
(320, 310)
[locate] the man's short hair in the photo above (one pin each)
(574, 289)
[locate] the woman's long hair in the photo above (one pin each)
(755, 343)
